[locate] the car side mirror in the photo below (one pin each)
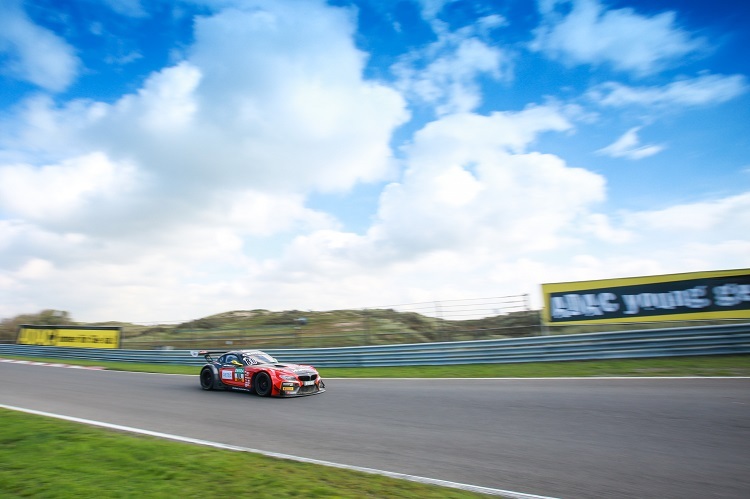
(236, 363)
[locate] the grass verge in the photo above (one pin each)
(716, 365)
(44, 457)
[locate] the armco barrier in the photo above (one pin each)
(706, 340)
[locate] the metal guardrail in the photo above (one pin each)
(674, 342)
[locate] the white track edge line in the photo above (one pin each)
(372, 471)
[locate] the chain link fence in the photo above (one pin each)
(434, 321)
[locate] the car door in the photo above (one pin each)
(231, 373)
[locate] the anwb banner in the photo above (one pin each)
(70, 336)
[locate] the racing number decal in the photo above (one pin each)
(239, 375)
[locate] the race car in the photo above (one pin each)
(257, 372)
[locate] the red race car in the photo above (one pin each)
(257, 372)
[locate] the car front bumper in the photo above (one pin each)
(292, 389)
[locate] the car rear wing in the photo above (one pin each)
(206, 354)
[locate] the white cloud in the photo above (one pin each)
(601, 227)
(210, 158)
(456, 187)
(189, 196)
(166, 104)
(507, 131)
(477, 213)
(628, 146)
(728, 215)
(258, 107)
(705, 89)
(444, 74)
(36, 269)
(35, 54)
(431, 8)
(470, 186)
(266, 214)
(267, 99)
(473, 204)
(703, 235)
(589, 33)
(55, 192)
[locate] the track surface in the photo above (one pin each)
(570, 438)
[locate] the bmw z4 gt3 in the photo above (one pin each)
(258, 372)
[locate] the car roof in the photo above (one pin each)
(251, 352)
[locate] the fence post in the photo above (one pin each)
(439, 316)
(368, 325)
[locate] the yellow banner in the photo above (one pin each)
(69, 336)
(722, 294)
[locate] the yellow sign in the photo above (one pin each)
(723, 294)
(69, 336)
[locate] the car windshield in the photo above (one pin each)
(259, 358)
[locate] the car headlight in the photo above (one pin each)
(288, 377)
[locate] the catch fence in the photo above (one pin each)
(446, 320)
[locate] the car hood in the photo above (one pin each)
(293, 368)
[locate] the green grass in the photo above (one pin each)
(43, 457)
(717, 365)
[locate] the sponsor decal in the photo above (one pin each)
(698, 295)
(239, 374)
(226, 374)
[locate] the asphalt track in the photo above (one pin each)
(568, 438)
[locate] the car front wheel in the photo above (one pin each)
(262, 384)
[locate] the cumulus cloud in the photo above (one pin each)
(444, 74)
(477, 209)
(586, 32)
(628, 146)
(471, 207)
(705, 234)
(459, 191)
(191, 195)
(431, 8)
(708, 234)
(254, 97)
(470, 184)
(181, 179)
(706, 89)
(55, 192)
(256, 107)
(724, 214)
(33, 53)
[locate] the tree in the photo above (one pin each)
(49, 317)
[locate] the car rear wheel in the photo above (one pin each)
(262, 384)
(207, 378)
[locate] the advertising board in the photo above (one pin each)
(722, 294)
(70, 336)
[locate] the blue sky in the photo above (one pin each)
(167, 160)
